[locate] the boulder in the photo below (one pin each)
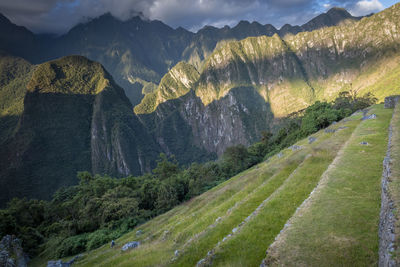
(369, 117)
(130, 245)
(11, 252)
(295, 147)
(311, 139)
(60, 263)
(139, 232)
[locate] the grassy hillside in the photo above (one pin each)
(340, 220)
(234, 223)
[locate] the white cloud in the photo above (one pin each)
(327, 5)
(365, 7)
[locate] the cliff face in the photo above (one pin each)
(310, 65)
(282, 75)
(14, 75)
(192, 131)
(74, 118)
(127, 48)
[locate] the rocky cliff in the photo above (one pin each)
(280, 76)
(74, 118)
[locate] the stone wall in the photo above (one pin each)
(390, 101)
(387, 215)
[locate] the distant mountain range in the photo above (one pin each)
(193, 94)
(137, 51)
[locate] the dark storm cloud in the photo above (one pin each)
(60, 15)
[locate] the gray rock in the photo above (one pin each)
(329, 130)
(280, 155)
(341, 128)
(218, 219)
(130, 245)
(176, 253)
(295, 147)
(364, 143)
(370, 117)
(165, 235)
(311, 139)
(391, 101)
(333, 123)
(201, 262)
(60, 263)
(234, 230)
(139, 232)
(11, 252)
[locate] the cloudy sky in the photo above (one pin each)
(58, 16)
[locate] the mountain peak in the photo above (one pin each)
(339, 11)
(71, 75)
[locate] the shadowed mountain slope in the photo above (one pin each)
(74, 118)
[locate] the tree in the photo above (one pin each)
(166, 168)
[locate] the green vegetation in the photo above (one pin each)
(69, 75)
(14, 76)
(341, 219)
(101, 208)
(72, 117)
(358, 56)
(176, 83)
(270, 192)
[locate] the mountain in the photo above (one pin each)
(314, 204)
(17, 40)
(207, 39)
(246, 86)
(14, 76)
(74, 118)
(126, 48)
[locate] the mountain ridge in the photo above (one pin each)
(74, 118)
(125, 47)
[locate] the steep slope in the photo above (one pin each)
(341, 217)
(17, 40)
(325, 61)
(176, 83)
(234, 223)
(208, 38)
(74, 118)
(277, 76)
(126, 48)
(14, 76)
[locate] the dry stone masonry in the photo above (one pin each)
(387, 219)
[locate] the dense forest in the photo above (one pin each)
(102, 208)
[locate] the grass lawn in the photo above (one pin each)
(339, 226)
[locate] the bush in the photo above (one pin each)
(97, 239)
(72, 245)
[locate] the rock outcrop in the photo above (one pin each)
(74, 118)
(11, 252)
